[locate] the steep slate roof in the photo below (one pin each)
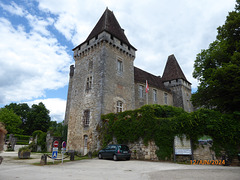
(172, 70)
(153, 81)
(108, 23)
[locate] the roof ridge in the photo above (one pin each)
(108, 23)
(148, 72)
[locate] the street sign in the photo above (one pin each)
(64, 144)
(55, 143)
(54, 153)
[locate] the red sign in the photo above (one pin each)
(63, 144)
(55, 143)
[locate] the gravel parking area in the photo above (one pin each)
(11, 168)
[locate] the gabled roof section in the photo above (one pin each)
(108, 23)
(172, 70)
(153, 81)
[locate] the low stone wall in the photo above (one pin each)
(204, 152)
(16, 147)
(142, 152)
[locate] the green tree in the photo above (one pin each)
(218, 68)
(37, 118)
(11, 121)
(58, 129)
(21, 110)
(41, 140)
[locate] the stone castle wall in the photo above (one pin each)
(142, 152)
(181, 94)
(98, 59)
(139, 102)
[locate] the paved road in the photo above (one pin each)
(11, 168)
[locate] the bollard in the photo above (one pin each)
(43, 159)
(1, 159)
(71, 152)
(90, 154)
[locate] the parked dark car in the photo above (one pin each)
(115, 152)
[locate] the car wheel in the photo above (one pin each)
(115, 157)
(99, 156)
(128, 158)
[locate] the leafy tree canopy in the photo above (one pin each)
(58, 129)
(20, 109)
(11, 121)
(38, 118)
(218, 68)
(32, 118)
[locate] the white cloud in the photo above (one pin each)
(156, 28)
(13, 8)
(33, 59)
(39, 25)
(56, 107)
(32, 63)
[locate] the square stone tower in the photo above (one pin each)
(175, 80)
(101, 82)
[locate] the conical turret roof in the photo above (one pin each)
(172, 70)
(108, 23)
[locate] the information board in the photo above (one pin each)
(182, 146)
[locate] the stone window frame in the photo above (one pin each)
(89, 83)
(86, 118)
(166, 98)
(119, 65)
(119, 106)
(85, 139)
(140, 91)
(154, 95)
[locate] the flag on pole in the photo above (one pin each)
(147, 87)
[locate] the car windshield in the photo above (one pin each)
(123, 148)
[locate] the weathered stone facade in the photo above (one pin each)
(104, 80)
(204, 152)
(97, 86)
(181, 91)
(160, 95)
(142, 152)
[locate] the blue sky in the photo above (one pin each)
(37, 38)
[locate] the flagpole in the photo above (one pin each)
(147, 98)
(147, 89)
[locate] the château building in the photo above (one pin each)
(105, 80)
